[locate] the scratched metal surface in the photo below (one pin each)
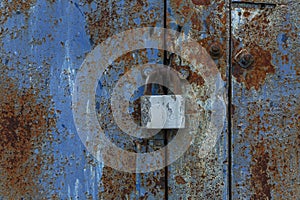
(265, 102)
(42, 45)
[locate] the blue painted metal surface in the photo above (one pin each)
(42, 46)
(265, 137)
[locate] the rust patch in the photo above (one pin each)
(255, 76)
(183, 11)
(122, 185)
(193, 77)
(201, 2)
(221, 7)
(51, 1)
(221, 62)
(259, 172)
(273, 147)
(180, 180)
(9, 8)
(186, 11)
(247, 14)
(196, 22)
(116, 184)
(23, 122)
(105, 20)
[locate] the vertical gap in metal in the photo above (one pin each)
(229, 104)
(166, 131)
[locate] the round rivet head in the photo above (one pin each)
(215, 50)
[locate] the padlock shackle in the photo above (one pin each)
(163, 75)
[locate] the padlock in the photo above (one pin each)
(163, 111)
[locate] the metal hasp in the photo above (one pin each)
(163, 112)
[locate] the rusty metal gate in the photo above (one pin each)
(253, 45)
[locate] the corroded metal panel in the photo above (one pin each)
(26, 108)
(103, 19)
(265, 102)
(194, 177)
(43, 44)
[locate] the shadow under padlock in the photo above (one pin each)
(159, 108)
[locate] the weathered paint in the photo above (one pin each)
(191, 177)
(42, 45)
(26, 108)
(265, 102)
(25, 120)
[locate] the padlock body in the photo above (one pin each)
(163, 111)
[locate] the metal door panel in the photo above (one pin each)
(44, 43)
(265, 103)
(193, 177)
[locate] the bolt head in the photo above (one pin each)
(246, 60)
(215, 50)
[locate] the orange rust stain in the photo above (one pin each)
(180, 180)
(259, 173)
(186, 11)
(285, 59)
(89, 1)
(220, 15)
(255, 76)
(183, 10)
(201, 2)
(51, 1)
(193, 76)
(116, 184)
(270, 154)
(155, 182)
(196, 22)
(103, 22)
(196, 78)
(221, 29)
(297, 68)
(178, 4)
(246, 14)
(23, 123)
(221, 7)
(221, 64)
(8, 8)
(121, 185)
(224, 21)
